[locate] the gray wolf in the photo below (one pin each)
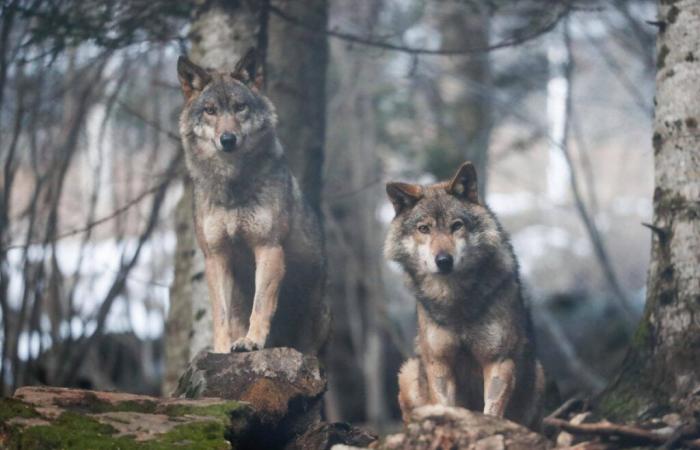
(475, 341)
(262, 244)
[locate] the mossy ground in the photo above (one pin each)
(80, 431)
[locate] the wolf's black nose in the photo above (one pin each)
(228, 141)
(444, 262)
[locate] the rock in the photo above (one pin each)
(331, 435)
(43, 417)
(269, 399)
(283, 386)
(443, 427)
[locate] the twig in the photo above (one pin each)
(101, 220)
(600, 250)
(612, 430)
(662, 233)
(356, 39)
(128, 109)
(565, 407)
(684, 432)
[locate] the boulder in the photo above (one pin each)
(282, 385)
(45, 417)
(268, 399)
(325, 436)
(439, 427)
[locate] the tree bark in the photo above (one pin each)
(357, 354)
(464, 91)
(297, 58)
(661, 369)
(221, 33)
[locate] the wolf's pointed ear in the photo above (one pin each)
(403, 195)
(248, 69)
(464, 184)
(192, 77)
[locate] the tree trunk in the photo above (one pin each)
(465, 90)
(357, 354)
(661, 369)
(221, 33)
(296, 64)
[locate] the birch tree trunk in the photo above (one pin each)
(221, 33)
(661, 370)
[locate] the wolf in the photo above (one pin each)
(262, 243)
(475, 341)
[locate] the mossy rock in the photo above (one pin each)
(54, 418)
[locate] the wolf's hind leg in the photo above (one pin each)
(411, 387)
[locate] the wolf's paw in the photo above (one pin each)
(244, 345)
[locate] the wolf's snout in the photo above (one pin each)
(228, 141)
(444, 262)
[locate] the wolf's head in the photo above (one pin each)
(226, 118)
(443, 229)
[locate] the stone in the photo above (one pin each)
(326, 436)
(46, 417)
(283, 386)
(438, 427)
(268, 399)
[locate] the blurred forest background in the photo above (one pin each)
(100, 280)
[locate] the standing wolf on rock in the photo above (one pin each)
(262, 244)
(475, 339)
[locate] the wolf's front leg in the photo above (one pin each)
(220, 283)
(499, 382)
(442, 383)
(269, 273)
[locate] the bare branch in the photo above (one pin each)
(625, 433)
(371, 42)
(82, 348)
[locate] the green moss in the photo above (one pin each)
(69, 431)
(622, 403)
(10, 408)
(633, 394)
(661, 57)
(196, 436)
(641, 337)
(75, 431)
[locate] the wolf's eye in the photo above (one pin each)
(240, 107)
(211, 110)
(425, 229)
(457, 225)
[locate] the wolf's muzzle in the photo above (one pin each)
(228, 142)
(444, 262)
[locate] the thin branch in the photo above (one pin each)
(596, 239)
(129, 110)
(371, 42)
(576, 367)
(627, 433)
(101, 220)
(119, 283)
(565, 407)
